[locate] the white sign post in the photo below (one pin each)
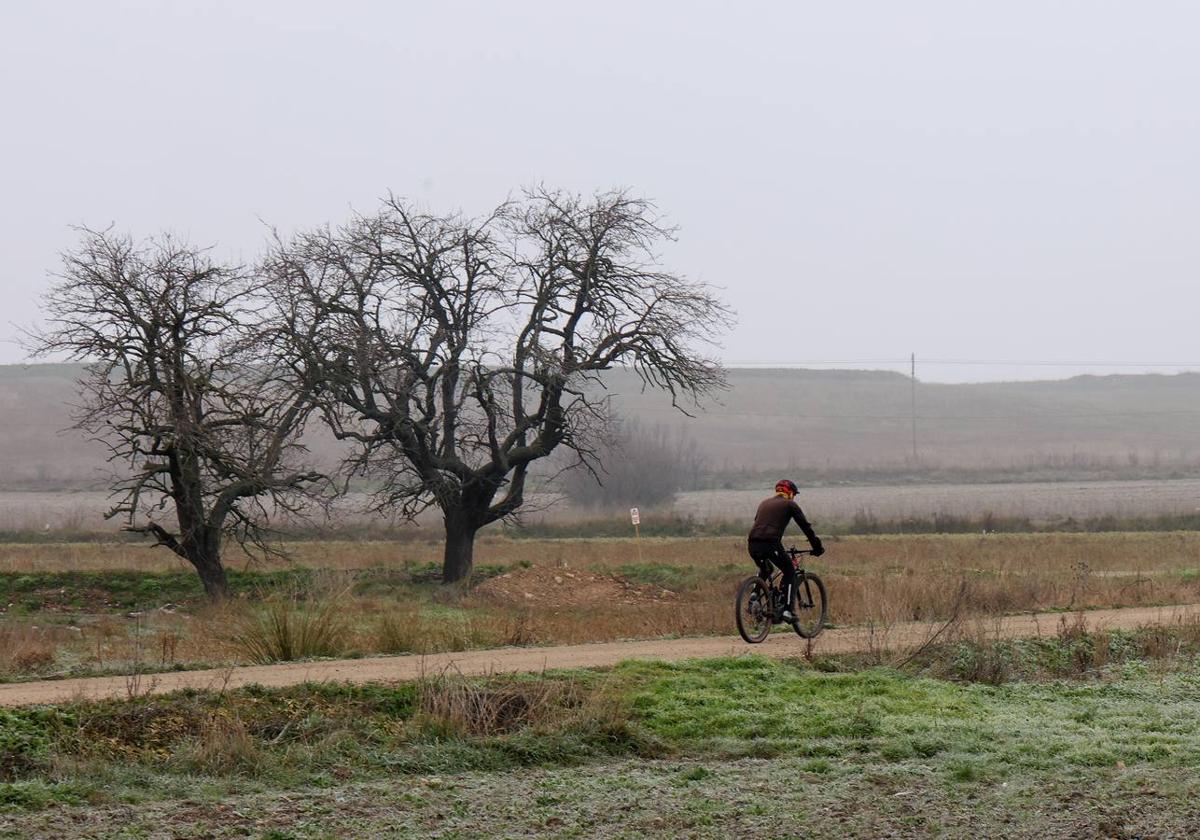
(636, 518)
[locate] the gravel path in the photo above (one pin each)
(533, 659)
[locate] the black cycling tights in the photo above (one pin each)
(763, 552)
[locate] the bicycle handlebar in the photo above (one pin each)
(796, 552)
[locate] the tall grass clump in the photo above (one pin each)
(289, 627)
(222, 747)
(413, 628)
(535, 720)
(461, 707)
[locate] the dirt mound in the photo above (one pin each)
(545, 587)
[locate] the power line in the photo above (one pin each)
(712, 412)
(1046, 362)
(906, 361)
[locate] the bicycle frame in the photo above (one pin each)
(804, 596)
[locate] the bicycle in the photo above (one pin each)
(759, 603)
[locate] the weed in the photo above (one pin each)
(26, 737)
(398, 631)
(452, 705)
(25, 648)
(287, 628)
(222, 747)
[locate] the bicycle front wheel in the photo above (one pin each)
(754, 610)
(809, 606)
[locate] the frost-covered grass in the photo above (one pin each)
(716, 745)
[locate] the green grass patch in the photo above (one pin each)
(122, 590)
(964, 731)
(834, 723)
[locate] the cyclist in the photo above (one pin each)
(765, 542)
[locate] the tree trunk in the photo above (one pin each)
(460, 549)
(212, 575)
(205, 556)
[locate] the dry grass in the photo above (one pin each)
(222, 747)
(976, 651)
(456, 707)
(409, 628)
(883, 580)
(873, 581)
(25, 648)
(292, 626)
(1033, 553)
(100, 556)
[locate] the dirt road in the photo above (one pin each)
(509, 660)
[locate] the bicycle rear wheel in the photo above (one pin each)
(754, 614)
(809, 606)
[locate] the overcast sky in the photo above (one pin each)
(963, 180)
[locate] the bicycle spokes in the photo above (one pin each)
(754, 610)
(810, 605)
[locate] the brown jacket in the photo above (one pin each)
(773, 517)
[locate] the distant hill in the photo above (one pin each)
(828, 422)
(38, 447)
(835, 421)
(33, 409)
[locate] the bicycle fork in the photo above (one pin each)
(804, 596)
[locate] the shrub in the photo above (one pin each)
(638, 466)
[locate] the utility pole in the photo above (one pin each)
(913, 383)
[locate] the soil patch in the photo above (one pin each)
(554, 588)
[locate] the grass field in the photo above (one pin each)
(92, 608)
(1083, 744)
(1073, 735)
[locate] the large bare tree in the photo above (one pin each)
(457, 352)
(204, 427)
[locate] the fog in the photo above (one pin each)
(1013, 183)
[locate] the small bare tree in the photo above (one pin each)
(640, 466)
(458, 352)
(178, 387)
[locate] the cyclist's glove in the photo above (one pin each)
(817, 548)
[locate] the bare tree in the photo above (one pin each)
(457, 352)
(178, 387)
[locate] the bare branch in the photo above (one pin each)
(183, 387)
(455, 352)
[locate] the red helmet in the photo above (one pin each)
(785, 485)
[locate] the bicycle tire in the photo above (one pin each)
(752, 609)
(810, 620)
